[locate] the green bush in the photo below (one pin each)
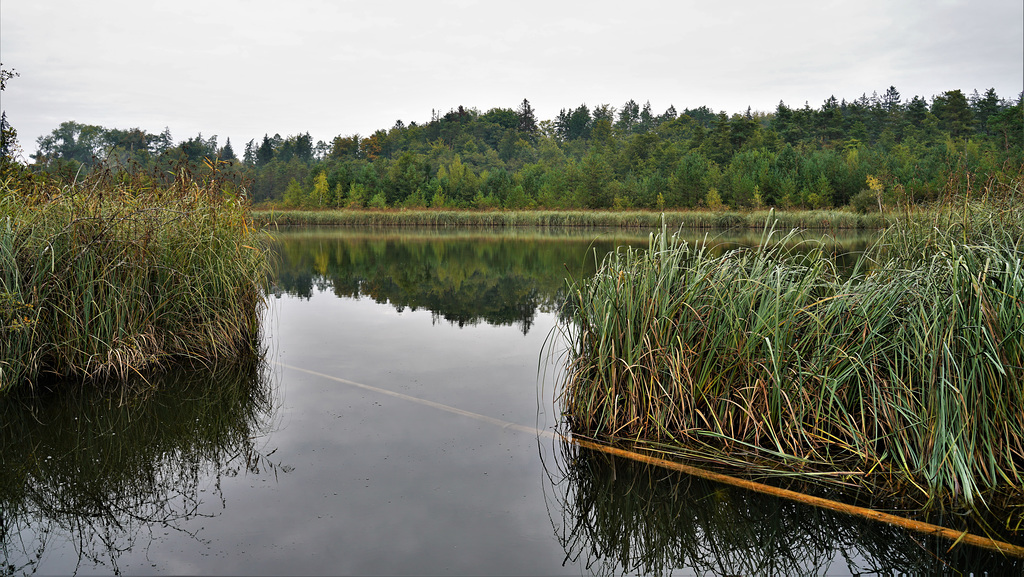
(864, 202)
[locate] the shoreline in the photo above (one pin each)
(803, 219)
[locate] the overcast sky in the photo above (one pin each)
(242, 69)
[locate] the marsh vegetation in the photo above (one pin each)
(901, 376)
(116, 274)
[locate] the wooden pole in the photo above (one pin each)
(917, 526)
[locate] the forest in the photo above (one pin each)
(866, 153)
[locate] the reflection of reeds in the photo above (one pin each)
(623, 517)
(116, 274)
(903, 374)
(704, 220)
(101, 469)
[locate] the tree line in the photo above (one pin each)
(863, 153)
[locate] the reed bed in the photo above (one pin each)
(116, 275)
(903, 375)
(589, 219)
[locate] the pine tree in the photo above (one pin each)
(984, 108)
(954, 113)
(227, 153)
(265, 153)
(163, 142)
(891, 100)
(527, 118)
(250, 153)
(629, 116)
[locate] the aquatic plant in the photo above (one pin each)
(903, 374)
(116, 274)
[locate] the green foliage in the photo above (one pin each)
(599, 157)
(71, 141)
(864, 202)
(517, 198)
(357, 195)
(574, 124)
(820, 195)
(294, 195)
(378, 201)
(953, 112)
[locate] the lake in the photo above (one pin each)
(401, 425)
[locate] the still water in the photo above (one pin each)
(400, 425)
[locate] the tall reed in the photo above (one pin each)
(115, 275)
(903, 374)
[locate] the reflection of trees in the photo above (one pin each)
(499, 279)
(620, 516)
(102, 470)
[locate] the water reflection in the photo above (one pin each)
(616, 516)
(465, 277)
(104, 471)
(461, 277)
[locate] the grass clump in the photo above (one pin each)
(116, 274)
(903, 375)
